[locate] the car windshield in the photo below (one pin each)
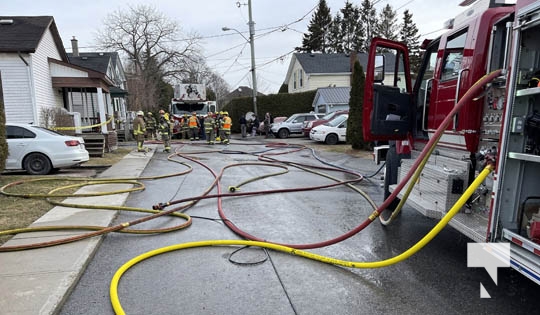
(336, 121)
(328, 116)
(290, 119)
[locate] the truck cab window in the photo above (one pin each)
(453, 56)
(424, 86)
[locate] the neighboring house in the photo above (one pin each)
(108, 63)
(310, 71)
(241, 91)
(331, 99)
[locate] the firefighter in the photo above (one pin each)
(193, 123)
(164, 131)
(218, 122)
(209, 125)
(185, 127)
(226, 124)
(139, 128)
(150, 126)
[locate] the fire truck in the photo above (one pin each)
(189, 98)
(500, 124)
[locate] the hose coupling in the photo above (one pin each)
(233, 188)
(160, 206)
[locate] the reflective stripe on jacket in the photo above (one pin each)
(209, 123)
(193, 122)
(227, 122)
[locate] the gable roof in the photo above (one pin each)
(25, 33)
(97, 61)
(335, 63)
(333, 95)
(324, 63)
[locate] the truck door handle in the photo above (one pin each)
(424, 120)
(458, 86)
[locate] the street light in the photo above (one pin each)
(251, 42)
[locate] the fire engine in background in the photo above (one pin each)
(501, 124)
(189, 98)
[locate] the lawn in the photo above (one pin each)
(17, 212)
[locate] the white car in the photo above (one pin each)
(39, 151)
(332, 132)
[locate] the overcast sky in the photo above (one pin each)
(227, 54)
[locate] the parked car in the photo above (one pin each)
(331, 132)
(39, 150)
(276, 121)
(292, 125)
(306, 128)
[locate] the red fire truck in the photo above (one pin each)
(501, 123)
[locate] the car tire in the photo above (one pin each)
(331, 139)
(37, 164)
(283, 133)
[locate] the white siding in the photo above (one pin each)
(318, 81)
(16, 86)
(63, 71)
(314, 81)
(45, 95)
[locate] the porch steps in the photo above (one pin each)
(94, 143)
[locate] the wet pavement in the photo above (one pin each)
(205, 281)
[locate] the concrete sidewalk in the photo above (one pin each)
(37, 281)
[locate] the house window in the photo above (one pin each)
(294, 81)
(301, 76)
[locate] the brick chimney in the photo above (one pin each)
(75, 47)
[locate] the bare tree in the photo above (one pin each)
(154, 46)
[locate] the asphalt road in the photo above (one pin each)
(204, 281)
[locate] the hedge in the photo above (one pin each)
(3, 143)
(282, 104)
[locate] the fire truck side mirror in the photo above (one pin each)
(378, 76)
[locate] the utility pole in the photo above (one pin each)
(252, 44)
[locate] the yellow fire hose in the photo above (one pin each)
(113, 291)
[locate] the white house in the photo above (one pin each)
(36, 74)
(26, 44)
(310, 71)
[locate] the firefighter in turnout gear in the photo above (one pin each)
(194, 125)
(185, 127)
(164, 131)
(150, 126)
(226, 124)
(209, 128)
(139, 129)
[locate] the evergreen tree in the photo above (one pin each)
(355, 135)
(335, 40)
(409, 36)
(351, 28)
(316, 40)
(368, 17)
(387, 27)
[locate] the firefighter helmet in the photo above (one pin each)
(140, 113)
(149, 113)
(161, 112)
(226, 113)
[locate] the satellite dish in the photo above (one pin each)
(250, 116)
